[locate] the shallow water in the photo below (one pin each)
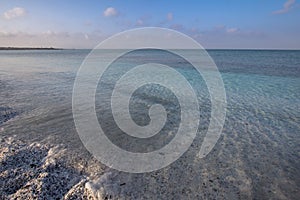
(257, 155)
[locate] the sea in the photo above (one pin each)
(256, 157)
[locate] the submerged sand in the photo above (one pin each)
(250, 161)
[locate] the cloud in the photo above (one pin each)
(14, 13)
(52, 39)
(55, 34)
(224, 31)
(109, 12)
(287, 6)
(177, 27)
(170, 16)
(142, 21)
(232, 30)
(139, 22)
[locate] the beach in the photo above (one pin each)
(256, 157)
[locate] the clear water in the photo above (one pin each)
(257, 156)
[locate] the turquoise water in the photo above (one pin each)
(257, 155)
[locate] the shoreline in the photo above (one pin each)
(207, 49)
(29, 48)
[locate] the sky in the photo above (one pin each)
(219, 24)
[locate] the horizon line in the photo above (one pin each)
(62, 48)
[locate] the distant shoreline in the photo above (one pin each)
(208, 49)
(29, 48)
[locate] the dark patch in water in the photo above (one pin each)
(7, 113)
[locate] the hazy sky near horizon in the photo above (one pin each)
(214, 24)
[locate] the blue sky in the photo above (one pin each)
(214, 24)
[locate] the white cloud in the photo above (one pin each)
(139, 22)
(51, 39)
(287, 6)
(49, 32)
(170, 16)
(232, 30)
(109, 12)
(6, 34)
(14, 13)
